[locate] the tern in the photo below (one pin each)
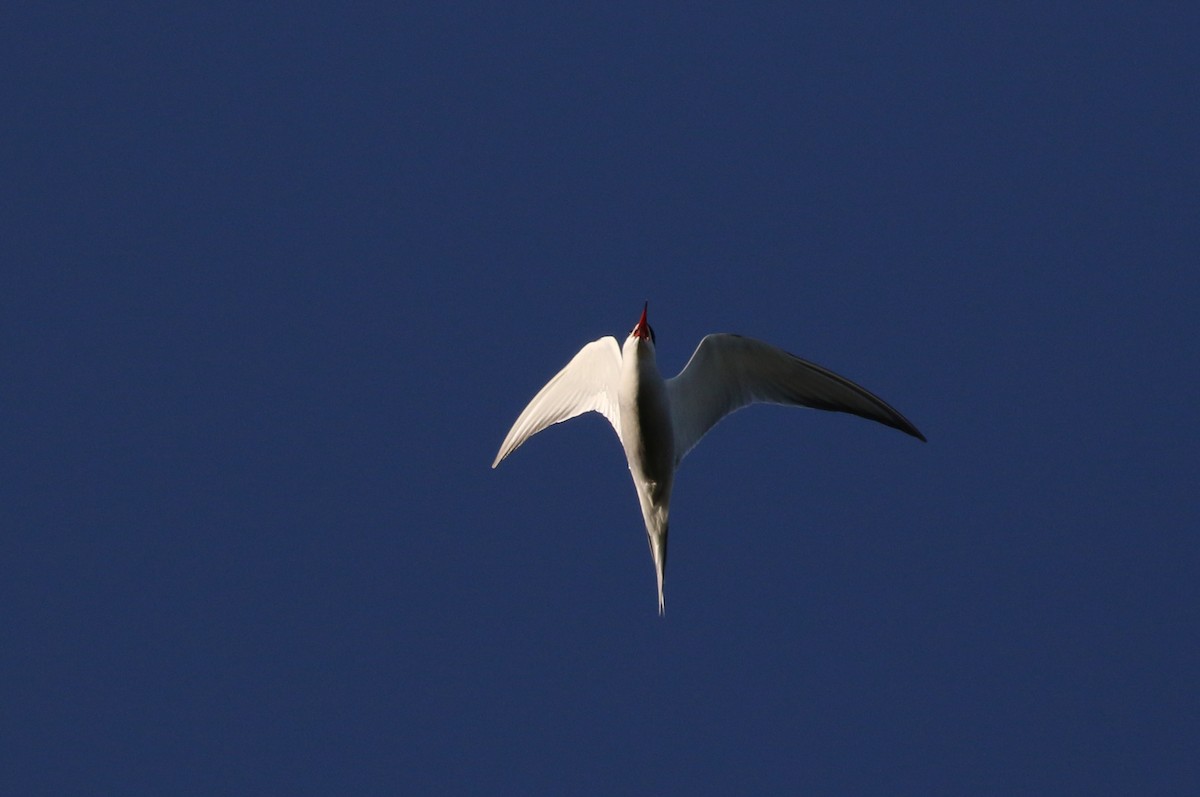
(658, 421)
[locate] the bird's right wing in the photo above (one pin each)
(587, 383)
(728, 372)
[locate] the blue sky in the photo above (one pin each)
(280, 279)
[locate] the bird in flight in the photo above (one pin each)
(658, 421)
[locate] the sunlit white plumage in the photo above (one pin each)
(659, 421)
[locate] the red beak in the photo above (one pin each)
(642, 330)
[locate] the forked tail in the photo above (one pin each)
(658, 549)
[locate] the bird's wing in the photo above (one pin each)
(587, 383)
(728, 372)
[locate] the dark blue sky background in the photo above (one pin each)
(278, 280)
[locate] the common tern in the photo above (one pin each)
(658, 421)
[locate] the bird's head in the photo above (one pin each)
(643, 330)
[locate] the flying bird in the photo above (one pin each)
(658, 421)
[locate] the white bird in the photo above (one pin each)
(659, 421)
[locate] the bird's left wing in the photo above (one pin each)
(587, 383)
(728, 372)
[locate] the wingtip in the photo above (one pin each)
(900, 423)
